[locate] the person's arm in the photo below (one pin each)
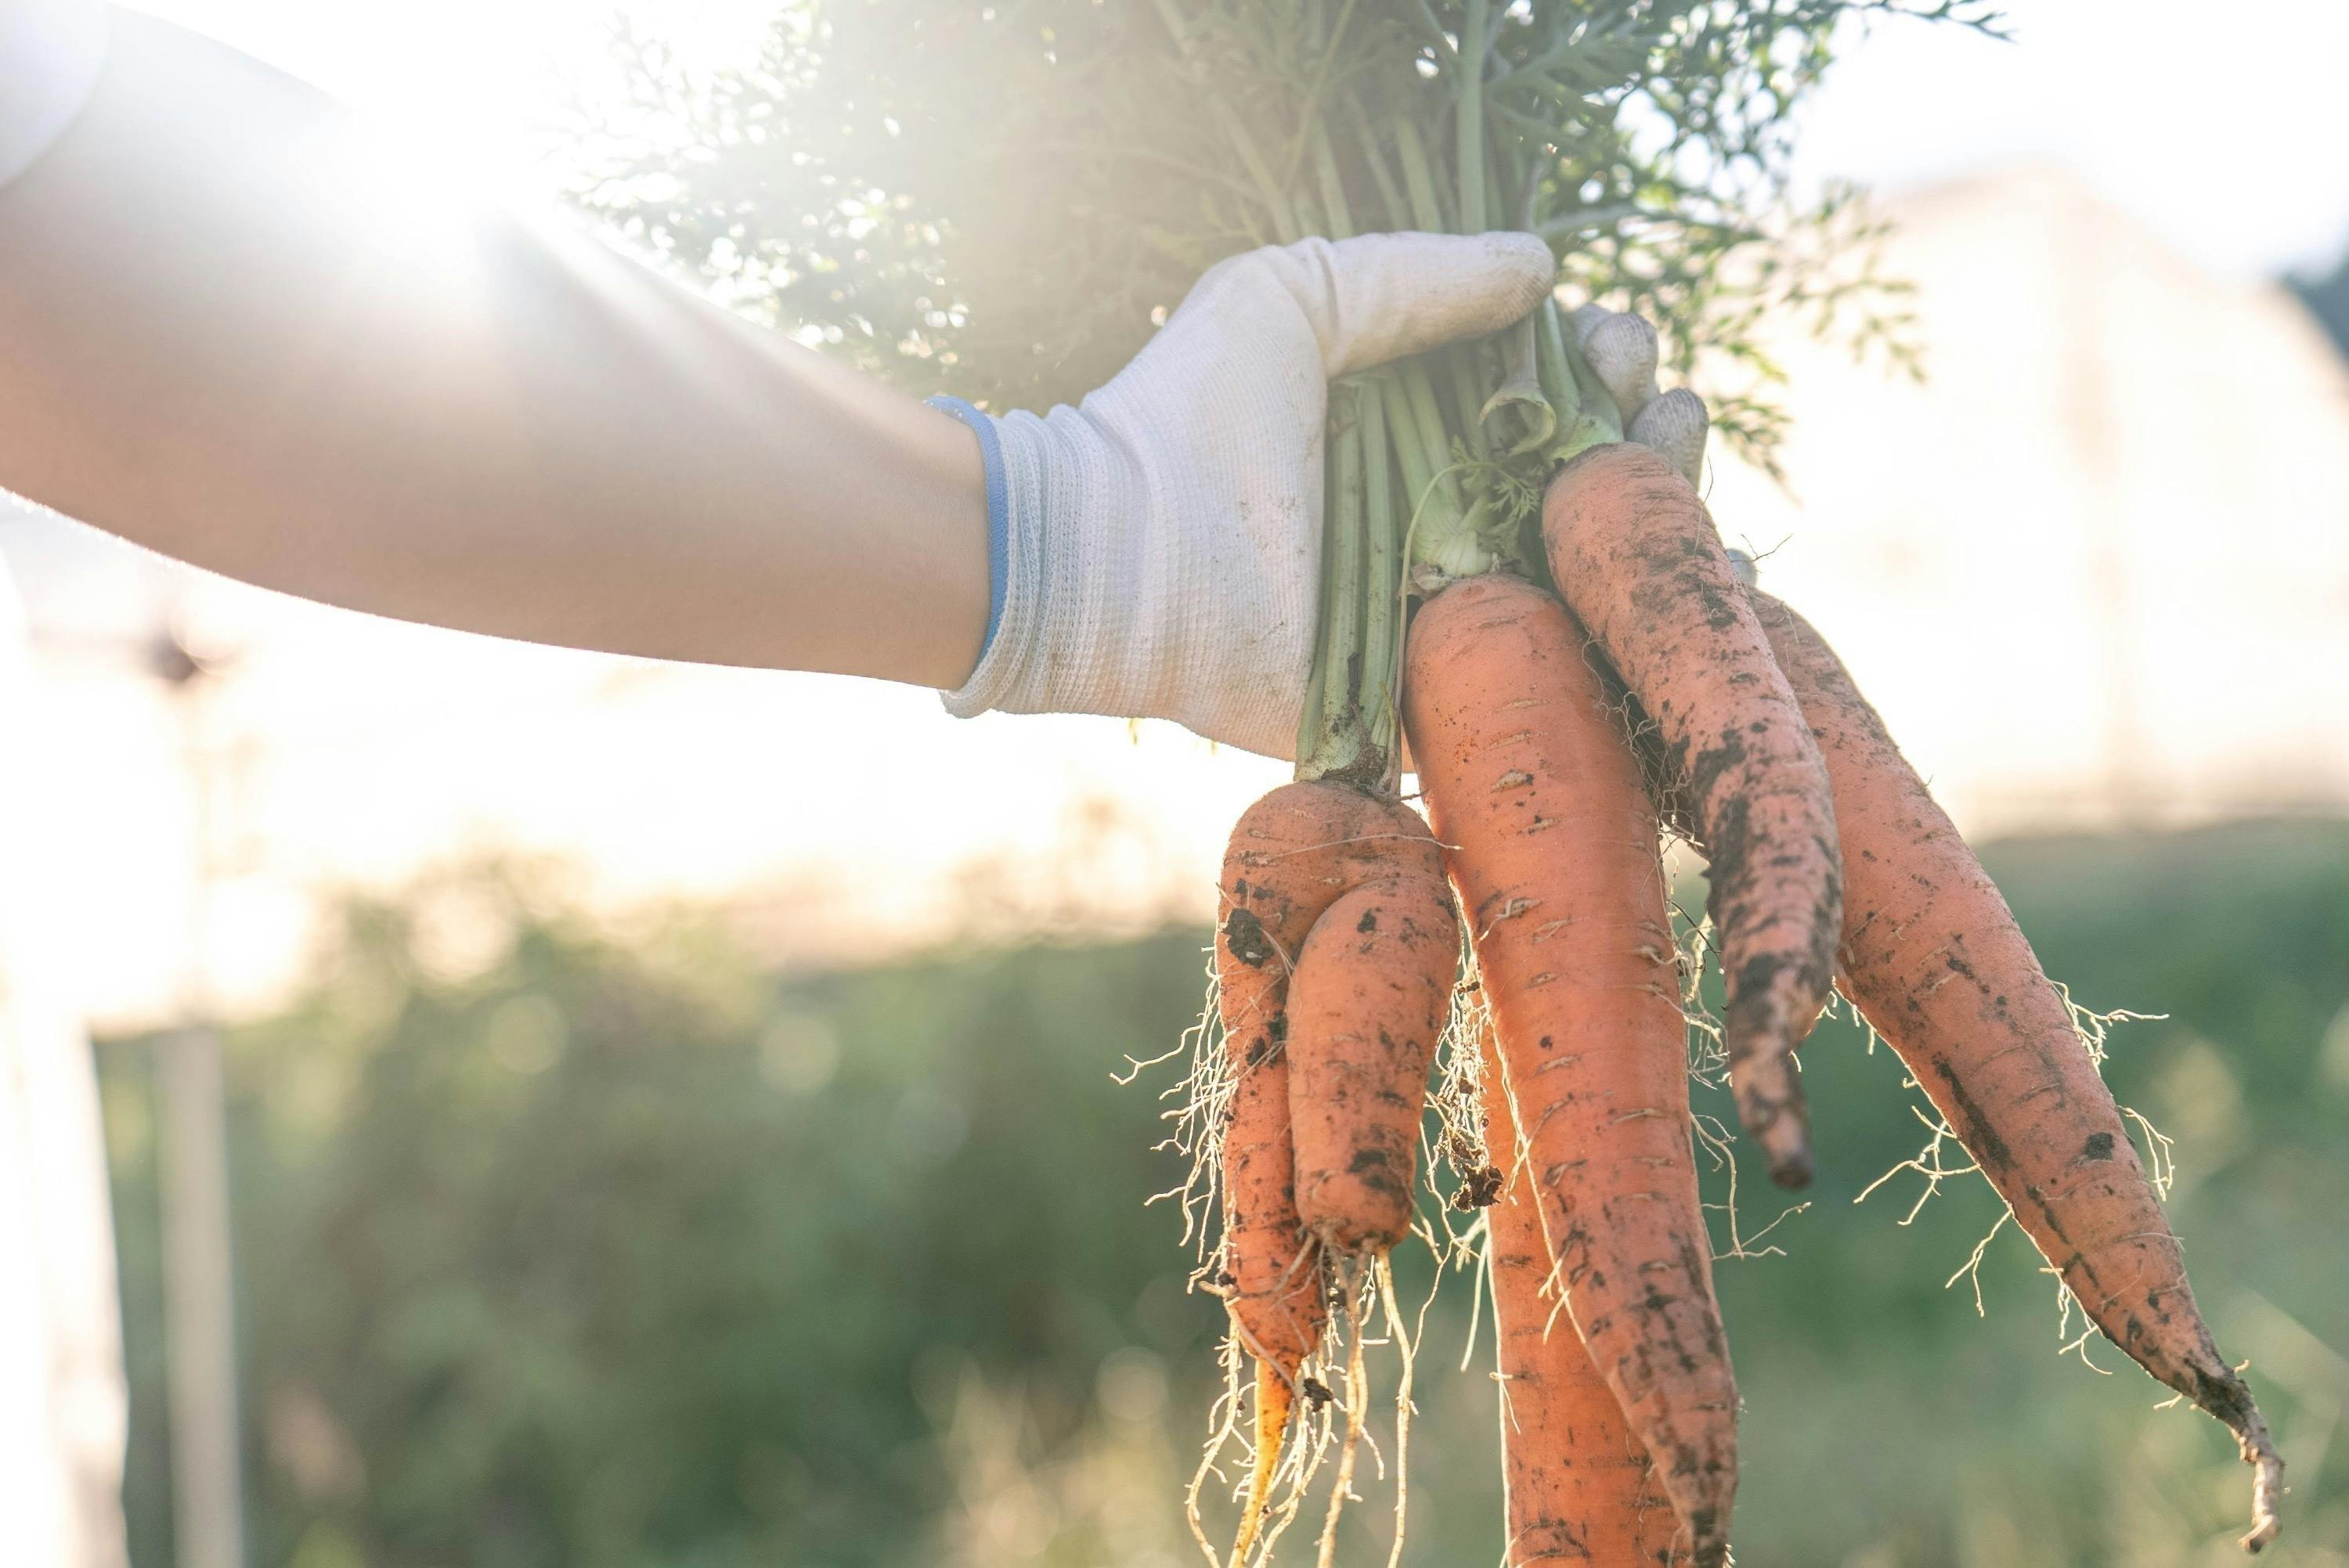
(220, 340)
(222, 336)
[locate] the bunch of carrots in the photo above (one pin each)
(1522, 585)
(1555, 726)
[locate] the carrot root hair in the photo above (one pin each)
(1357, 1397)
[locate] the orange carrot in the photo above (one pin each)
(1637, 558)
(1936, 963)
(1304, 851)
(1576, 1485)
(1552, 844)
(1369, 1000)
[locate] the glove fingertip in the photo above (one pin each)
(1396, 294)
(1623, 351)
(1527, 255)
(1675, 426)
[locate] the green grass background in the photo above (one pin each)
(578, 1248)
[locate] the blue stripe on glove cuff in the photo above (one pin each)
(999, 511)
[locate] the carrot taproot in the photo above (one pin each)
(1366, 1006)
(1552, 844)
(1935, 962)
(1272, 1272)
(1294, 855)
(1576, 1484)
(1637, 558)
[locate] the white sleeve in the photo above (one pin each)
(50, 51)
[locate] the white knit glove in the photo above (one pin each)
(1621, 349)
(1156, 550)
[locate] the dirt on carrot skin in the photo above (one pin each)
(1369, 999)
(1639, 561)
(1577, 1485)
(1934, 961)
(1552, 846)
(1295, 854)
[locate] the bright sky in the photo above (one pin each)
(2218, 128)
(349, 749)
(2220, 132)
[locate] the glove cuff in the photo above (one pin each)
(1062, 513)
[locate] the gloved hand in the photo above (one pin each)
(1622, 348)
(1156, 550)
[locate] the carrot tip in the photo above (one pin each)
(1787, 1145)
(1769, 1091)
(1274, 1398)
(1793, 1170)
(2267, 1486)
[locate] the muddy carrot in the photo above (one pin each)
(1297, 852)
(1637, 558)
(1576, 1483)
(1370, 995)
(1934, 960)
(1552, 844)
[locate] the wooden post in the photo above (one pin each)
(199, 1277)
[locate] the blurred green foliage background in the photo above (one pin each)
(563, 1246)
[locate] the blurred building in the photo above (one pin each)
(2094, 568)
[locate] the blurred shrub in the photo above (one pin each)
(561, 1249)
(601, 1255)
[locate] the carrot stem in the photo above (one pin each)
(1466, 402)
(1418, 178)
(1333, 189)
(1442, 528)
(1309, 717)
(1586, 414)
(1346, 574)
(1337, 746)
(1411, 454)
(1556, 373)
(1471, 59)
(1381, 581)
(1504, 172)
(1434, 440)
(1398, 207)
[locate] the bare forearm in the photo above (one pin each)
(219, 340)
